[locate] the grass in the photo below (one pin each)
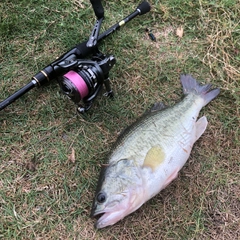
(45, 195)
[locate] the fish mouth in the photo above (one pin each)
(107, 216)
(101, 217)
(98, 215)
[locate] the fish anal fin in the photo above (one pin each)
(154, 158)
(201, 126)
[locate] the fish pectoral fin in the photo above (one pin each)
(154, 158)
(201, 126)
(171, 177)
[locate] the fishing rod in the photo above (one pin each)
(81, 79)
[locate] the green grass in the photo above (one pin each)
(44, 195)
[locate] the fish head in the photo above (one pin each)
(120, 191)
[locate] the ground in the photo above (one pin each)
(50, 156)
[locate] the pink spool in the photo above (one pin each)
(78, 82)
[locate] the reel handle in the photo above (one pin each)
(98, 8)
(142, 8)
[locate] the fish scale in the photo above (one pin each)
(148, 155)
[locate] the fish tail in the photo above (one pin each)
(190, 85)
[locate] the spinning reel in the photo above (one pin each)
(86, 79)
(81, 79)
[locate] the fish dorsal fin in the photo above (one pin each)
(201, 126)
(155, 157)
(158, 106)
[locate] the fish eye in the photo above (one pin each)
(101, 197)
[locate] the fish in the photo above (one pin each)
(148, 155)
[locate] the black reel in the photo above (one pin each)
(85, 80)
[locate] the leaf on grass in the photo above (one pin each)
(71, 157)
(179, 32)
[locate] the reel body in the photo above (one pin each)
(85, 80)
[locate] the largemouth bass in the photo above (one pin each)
(150, 153)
